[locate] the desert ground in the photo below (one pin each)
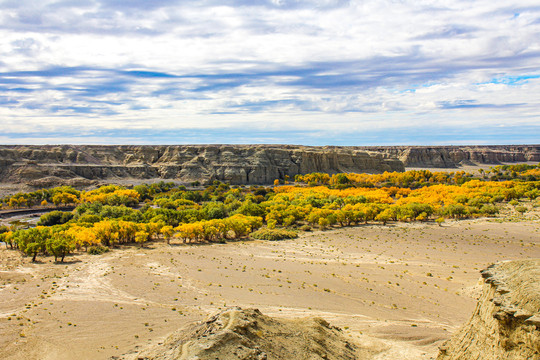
(399, 289)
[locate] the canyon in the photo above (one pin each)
(456, 156)
(79, 165)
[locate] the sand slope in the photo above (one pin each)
(401, 289)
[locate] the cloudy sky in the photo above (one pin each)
(373, 72)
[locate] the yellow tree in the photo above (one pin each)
(83, 236)
(106, 232)
(167, 231)
(141, 237)
(126, 231)
(64, 198)
(152, 228)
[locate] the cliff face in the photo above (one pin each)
(236, 164)
(256, 164)
(454, 156)
(506, 321)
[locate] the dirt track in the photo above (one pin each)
(401, 287)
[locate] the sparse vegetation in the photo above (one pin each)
(97, 250)
(274, 234)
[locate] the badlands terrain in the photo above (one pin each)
(23, 167)
(396, 291)
(403, 290)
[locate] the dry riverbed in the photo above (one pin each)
(398, 289)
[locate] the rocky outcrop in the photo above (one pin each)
(236, 164)
(454, 156)
(506, 322)
(249, 335)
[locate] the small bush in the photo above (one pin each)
(305, 228)
(497, 198)
(521, 209)
(271, 224)
(274, 234)
(489, 209)
(97, 250)
(55, 218)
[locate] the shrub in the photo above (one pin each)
(305, 228)
(323, 223)
(489, 209)
(55, 218)
(456, 211)
(274, 234)
(521, 209)
(497, 198)
(215, 210)
(89, 218)
(271, 224)
(97, 250)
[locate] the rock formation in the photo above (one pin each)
(44, 166)
(236, 164)
(506, 322)
(454, 156)
(249, 335)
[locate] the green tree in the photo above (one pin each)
(59, 245)
(32, 241)
(55, 218)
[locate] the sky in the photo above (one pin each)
(328, 72)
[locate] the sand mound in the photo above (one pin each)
(248, 334)
(506, 321)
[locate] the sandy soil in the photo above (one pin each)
(401, 288)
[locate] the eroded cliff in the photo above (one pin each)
(236, 164)
(454, 156)
(506, 322)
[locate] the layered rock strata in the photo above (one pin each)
(455, 156)
(506, 322)
(236, 164)
(249, 164)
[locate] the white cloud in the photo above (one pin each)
(336, 66)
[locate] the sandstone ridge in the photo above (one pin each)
(236, 164)
(247, 334)
(80, 165)
(455, 156)
(506, 322)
